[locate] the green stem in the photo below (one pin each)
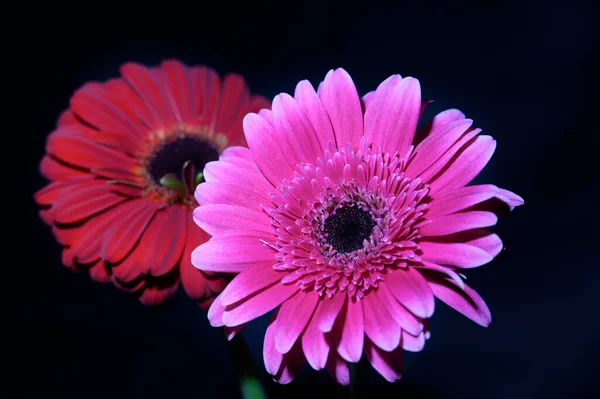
(250, 385)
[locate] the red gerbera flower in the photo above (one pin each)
(124, 161)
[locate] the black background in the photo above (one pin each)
(522, 70)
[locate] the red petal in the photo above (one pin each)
(87, 247)
(234, 105)
(74, 146)
(208, 95)
(179, 90)
(83, 202)
(198, 285)
(67, 118)
(164, 240)
(155, 296)
(53, 170)
(149, 86)
(98, 107)
(50, 193)
(99, 272)
(126, 232)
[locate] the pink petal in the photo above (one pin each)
(438, 121)
(454, 254)
(392, 116)
(403, 317)
(388, 364)
(271, 357)
(465, 166)
(258, 304)
(510, 198)
(233, 253)
(457, 222)
(459, 199)
(486, 240)
(294, 314)
(314, 110)
(329, 310)
(338, 368)
(226, 172)
(215, 313)
(297, 138)
(351, 333)
(411, 343)
(249, 282)
(380, 326)
(465, 301)
(440, 269)
(439, 140)
(228, 194)
(264, 144)
(410, 288)
(291, 365)
(340, 99)
(218, 218)
(315, 343)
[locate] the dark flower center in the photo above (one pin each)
(348, 228)
(171, 157)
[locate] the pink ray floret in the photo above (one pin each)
(347, 221)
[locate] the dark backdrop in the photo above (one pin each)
(521, 70)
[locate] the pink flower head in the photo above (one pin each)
(347, 223)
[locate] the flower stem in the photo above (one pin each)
(250, 385)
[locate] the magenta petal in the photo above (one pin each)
(228, 194)
(217, 218)
(340, 99)
(271, 357)
(264, 143)
(351, 332)
(461, 198)
(249, 282)
(297, 138)
(233, 254)
(412, 343)
(227, 172)
(457, 222)
(466, 166)
(465, 301)
(455, 254)
(438, 122)
(329, 310)
(315, 344)
(338, 368)
(488, 241)
(314, 110)
(257, 305)
(388, 364)
(410, 288)
(380, 327)
(294, 314)
(393, 113)
(403, 317)
(215, 313)
(511, 199)
(439, 140)
(292, 364)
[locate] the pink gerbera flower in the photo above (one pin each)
(348, 223)
(123, 164)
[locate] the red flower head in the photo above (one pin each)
(348, 224)
(124, 161)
